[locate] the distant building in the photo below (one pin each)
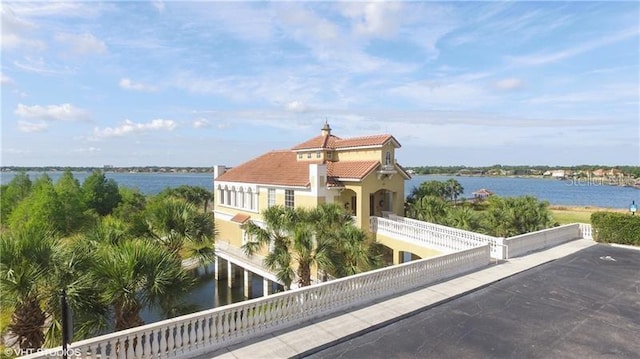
(559, 174)
(481, 194)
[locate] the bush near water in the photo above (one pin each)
(611, 227)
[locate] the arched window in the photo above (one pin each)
(220, 195)
(240, 200)
(387, 159)
(250, 198)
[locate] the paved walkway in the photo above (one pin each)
(584, 305)
(325, 332)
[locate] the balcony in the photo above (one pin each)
(386, 171)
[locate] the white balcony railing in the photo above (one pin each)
(586, 230)
(529, 242)
(206, 331)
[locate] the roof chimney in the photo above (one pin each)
(326, 130)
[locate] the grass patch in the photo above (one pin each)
(569, 214)
(564, 216)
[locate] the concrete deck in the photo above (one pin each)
(356, 333)
(236, 256)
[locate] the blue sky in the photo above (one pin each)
(204, 83)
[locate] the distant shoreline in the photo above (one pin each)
(602, 181)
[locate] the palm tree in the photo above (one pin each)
(512, 216)
(356, 253)
(180, 227)
(35, 265)
(462, 217)
(279, 224)
(454, 189)
(137, 274)
(324, 238)
(430, 209)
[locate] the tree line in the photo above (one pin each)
(436, 202)
(518, 170)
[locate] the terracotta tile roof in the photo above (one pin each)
(317, 142)
(275, 167)
(282, 168)
(375, 140)
(240, 218)
(352, 169)
(333, 142)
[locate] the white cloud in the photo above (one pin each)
(87, 150)
(551, 57)
(158, 5)
(41, 67)
(26, 126)
(129, 127)
(5, 80)
(82, 44)
(65, 9)
(63, 112)
(509, 84)
(15, 31)
(374, 18)
(127, 84)
(201, 123)
(296, 106)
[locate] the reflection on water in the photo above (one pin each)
(209, 293)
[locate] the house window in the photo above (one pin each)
(387, 160)
(299, 156)
(240, 200)
(318, 154)
(271, 197)
(251, 198)
(221, 195)
(288, 198)
(329, 155)
(309, 155)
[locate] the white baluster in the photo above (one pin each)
(165, 350)
(121, 347)
(226, 325)
(146, 347)
(155, 346)
(177, 339)
(232, 323)
(192, 335)
(130, 342)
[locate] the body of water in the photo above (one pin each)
(560, 192)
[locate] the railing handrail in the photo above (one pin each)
(424, 236)
(278, 310)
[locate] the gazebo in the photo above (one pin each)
(481, 194)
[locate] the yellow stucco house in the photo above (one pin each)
(359, 173)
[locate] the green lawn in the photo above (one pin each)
(571, 216)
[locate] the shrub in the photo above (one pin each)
(611, 227)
